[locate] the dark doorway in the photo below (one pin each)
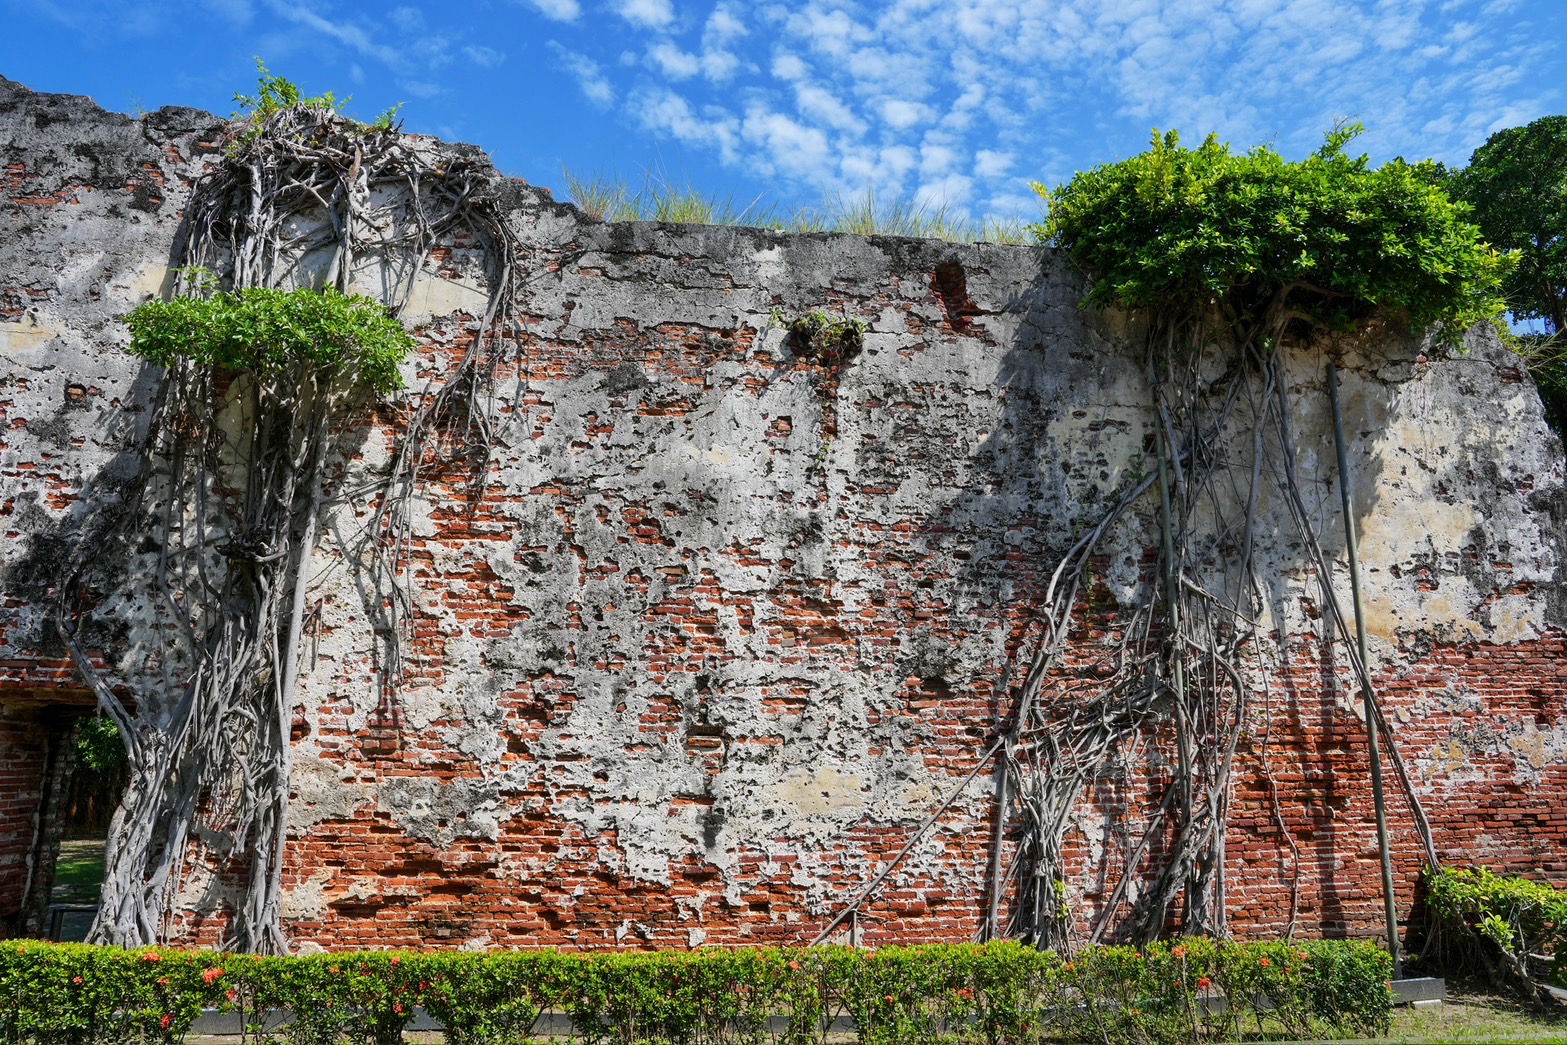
(86, 775)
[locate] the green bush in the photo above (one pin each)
(1259, 240)
(269, 332)
(998, 993)
(1485, 916)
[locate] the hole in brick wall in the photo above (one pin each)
(950, 284)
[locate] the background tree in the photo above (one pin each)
(1517, 184)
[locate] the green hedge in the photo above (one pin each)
(1176, 992)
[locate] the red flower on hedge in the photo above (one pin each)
(1178, 952)
(152, 956)
(1203, 982)
(167, 1019)
(231, 994)
(77, 979)
(1264, 963)
(210, 975)
(397, 961)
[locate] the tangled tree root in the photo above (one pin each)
(1183, 672)
(236, 474)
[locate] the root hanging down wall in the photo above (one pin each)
(726, 620)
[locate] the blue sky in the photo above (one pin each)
(956, 102)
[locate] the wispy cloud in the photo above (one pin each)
(484, 57)
(951, 101)
(558, 10)
(590, 78)
(654, 14)
(673, 62)
(350, 35)
(983, 93)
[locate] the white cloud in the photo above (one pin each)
(672, 61)
(950, 191)
(901, 114)
(790, 67)
(719, 65)
(558, 10)
(988, 163)
(722, 26)
(654, 14)
(421, 88)
(967, 99)
(347, 34)
(830, 32)
(662, 110)
(820, 104)
(406, 19)
(936, 158)
(792, 146)
(590, 78)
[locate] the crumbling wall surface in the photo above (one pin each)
(731, 622)
(89, 224)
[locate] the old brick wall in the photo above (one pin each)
(727, 624)
(24, 760)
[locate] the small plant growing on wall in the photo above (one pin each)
(828, 340)
(828, 343)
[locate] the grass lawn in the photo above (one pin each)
(78, 874)
(1470, 1017)
(1473, 1016)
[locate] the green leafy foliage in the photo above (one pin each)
(270, 332)
(1525, 920)
(275, 94)
(99, 747)
(1264, 240)
(1184, 991)
(1517, 184)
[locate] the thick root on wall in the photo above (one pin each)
(236, 474)
(1180, 674)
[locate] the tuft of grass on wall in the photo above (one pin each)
(603, 198)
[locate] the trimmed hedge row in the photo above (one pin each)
(1181, 991)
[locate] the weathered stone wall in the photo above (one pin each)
(727, 624)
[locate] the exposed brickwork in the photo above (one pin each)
(24, 752)
(727, 622)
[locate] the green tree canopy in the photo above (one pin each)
(1267, 241)
(266, 331)
(1517, 184)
